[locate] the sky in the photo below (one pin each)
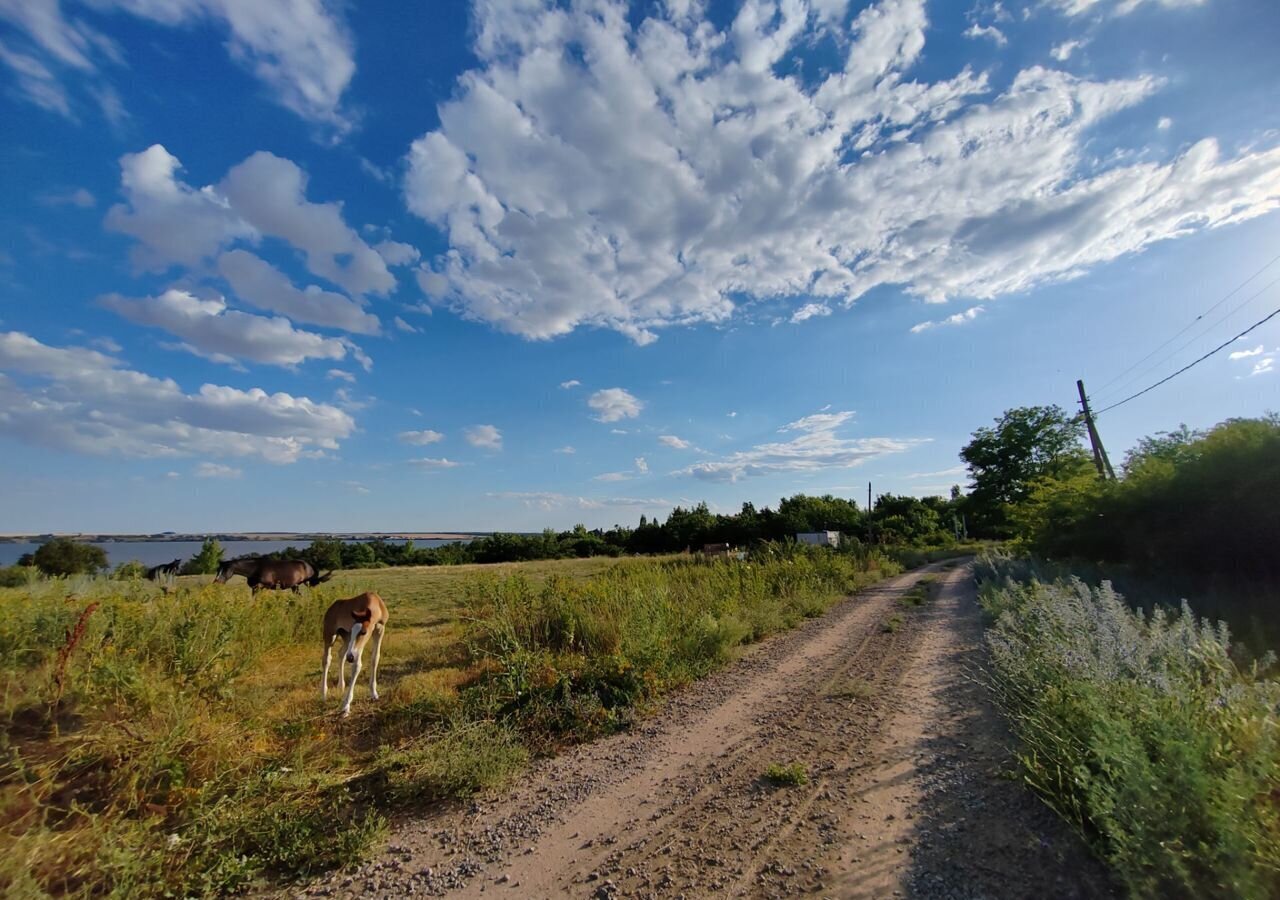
(501, 265)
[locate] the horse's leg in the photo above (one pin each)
(324, 674)
(351, 688)
(373, 665)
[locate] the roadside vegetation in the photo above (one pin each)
(176, 744)
(1142, 731)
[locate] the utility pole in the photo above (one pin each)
(1099, 452)
(868, 496)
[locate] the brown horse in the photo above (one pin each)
(272, 574)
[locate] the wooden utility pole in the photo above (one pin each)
(1100, 458)
(868, 496)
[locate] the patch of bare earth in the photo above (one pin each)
(906, 792)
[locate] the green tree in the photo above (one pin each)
(205, 562)
(128, 570)
(61, 556)
(1026, 445)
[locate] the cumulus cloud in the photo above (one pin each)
(614, 404)
(810, 311)
(976, 32)
(816, 447)
(642, 466)
(299, 49)
(1115, 7)
(614, 476)
(674, 442)
(567, 450)
(1062, 52)
(1263, 366)
(260, 284)
(269, 192)
(959, 318)
(208, 329)
(426, 436)
(394, 253)
(84, 401)
(340, 375)
(427, 462)
(707, 171)
(486, 437)
(216, 470)
(1165, 123)
(1245, 354)
(571, 383)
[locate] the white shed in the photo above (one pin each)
(819, 538)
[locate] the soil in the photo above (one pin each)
(909, 788)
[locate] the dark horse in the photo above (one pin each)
(165, 571)
(271, 574)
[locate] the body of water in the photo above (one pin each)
(153, 553)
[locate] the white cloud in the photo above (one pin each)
(614, 404)
(299, 49)
(954, 471)
(1263, 366)
(1062, 52)
(257, 282)
(340, 375)
(815, 448)
(732, 415)
(84, 401)
(566, 449)
(173, 222)
(1245, 354)
(485, 437)
(208, 329)
(106, 344)
(402, 325)
(356, 487)
(809, 311)
(1165, 123)
(216, 470)
(1114, 7)
(571, 383)
(642, 466)
(672, 441)
(959, 318)
(614, 476)
(270, 193)
(394, 253)
(78, 197)
(421, 437)
(551, 500)
(707, 170)
(427, 462)
(976, 31)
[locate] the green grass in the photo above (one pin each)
(892, 625)
(1142, 731)
(786, 774)
(852, 689)
(176, 745)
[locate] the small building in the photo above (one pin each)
(819, 538)
(716, 550)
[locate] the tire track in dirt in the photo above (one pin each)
(679, 807)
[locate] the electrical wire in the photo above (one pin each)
(1223, 345)
(1192, 324)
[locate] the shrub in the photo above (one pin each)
(789, 774)
(1142, 732)
(62, 556)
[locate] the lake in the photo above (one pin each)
(153, 553)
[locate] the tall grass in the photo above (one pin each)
(1142, 731)
(176, 745)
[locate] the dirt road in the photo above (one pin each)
(906, 794)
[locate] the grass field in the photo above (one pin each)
(177, 744)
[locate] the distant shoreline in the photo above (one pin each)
(249, 536)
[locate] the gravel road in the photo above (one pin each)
(907, 792)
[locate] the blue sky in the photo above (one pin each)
(499, 265)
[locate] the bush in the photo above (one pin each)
(1142, 732)
(16, 576)
(207, 561)
(62, 556)
(129, 570)
(789, 775)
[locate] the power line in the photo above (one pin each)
(1193, 322)
(1228, 343)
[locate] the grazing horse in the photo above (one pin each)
(354, 619)
(271, 574)
(165, 571)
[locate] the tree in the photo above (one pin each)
(207, 561)
(1027, 444)
(61, 556)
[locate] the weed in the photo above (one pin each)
(853, 689)
(892, 624)
(786, 774)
